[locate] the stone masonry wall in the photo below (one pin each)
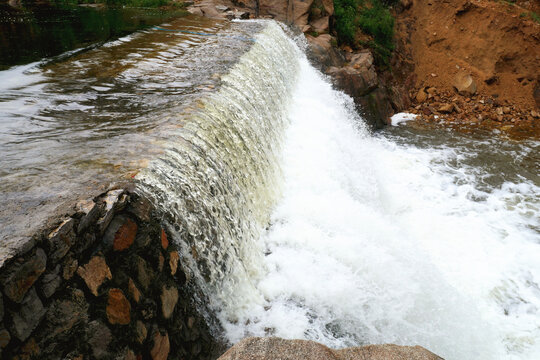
(104, 283)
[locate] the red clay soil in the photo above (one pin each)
(497, 42)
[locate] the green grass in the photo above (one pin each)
(130, 3)
(371, 17)
(535, 16)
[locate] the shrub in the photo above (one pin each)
(346, 12)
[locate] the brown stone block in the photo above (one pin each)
(94, 273)
(118, 308)
(161, 348)
(125, 235)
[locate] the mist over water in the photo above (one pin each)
(347, 238)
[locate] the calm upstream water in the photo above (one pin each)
(293, 219)
(72, 123)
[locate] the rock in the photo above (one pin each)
(535, 114)
(99, 338)
(144, 273)
(19, 277)
(322, 52)
(126, 354)
(359, 78)
(174, 257)
(164, 240)
(111, 199)
(169, 298)
(133, 291)
(222, 8)
(195, 10)
(70, 266)
(141, 208)
(161, 348)
(446, 108)
(5, 338)
(328, 6)
(499, 111)
(94, 273)
(118, 308)
(141, 332)
(506, 110)
(321, 25)
(275, 348)
(421, 96)
(125, 235)
(465, 84)
(28, 317)
(300, 12)
(64, 318)
(51, 281)
(61, 240)
(90, 212)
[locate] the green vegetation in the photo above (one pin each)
(371, 17)
(535, 16)
(130, 3)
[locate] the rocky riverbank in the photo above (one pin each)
(494, 44)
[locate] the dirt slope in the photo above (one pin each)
(498, 43)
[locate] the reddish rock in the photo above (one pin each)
(94, 273)
(421, 96)
(161, 348)
(328, 6)
(19, 277)
(169, 298)
(125, 235)
(164, 240)
(118, 308)
(173, 261)
(465, 84)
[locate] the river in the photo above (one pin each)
(294, 219)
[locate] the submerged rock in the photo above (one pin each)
(276, 348)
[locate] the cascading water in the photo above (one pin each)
(295, 222)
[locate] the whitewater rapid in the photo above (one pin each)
(296, 222)
(373, 242)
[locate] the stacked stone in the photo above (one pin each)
(105, 283)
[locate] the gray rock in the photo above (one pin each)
(99, 338)
(51, 281)
(61, 240)
(90, 211)
(28, 317)
(110, 200)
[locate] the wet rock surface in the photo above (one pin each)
(90, 288)
(276, 348)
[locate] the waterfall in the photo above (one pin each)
(295, 222)
(220, 176)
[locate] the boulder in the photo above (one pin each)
(359, 78)
(465, 84)
(321, 25)
(328, 6)
(446, 108)
(300, 12)
(169, 298)
(275, 348)
(322, 53)
(421, 96)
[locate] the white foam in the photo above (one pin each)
(402, 118)
(375, 242)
